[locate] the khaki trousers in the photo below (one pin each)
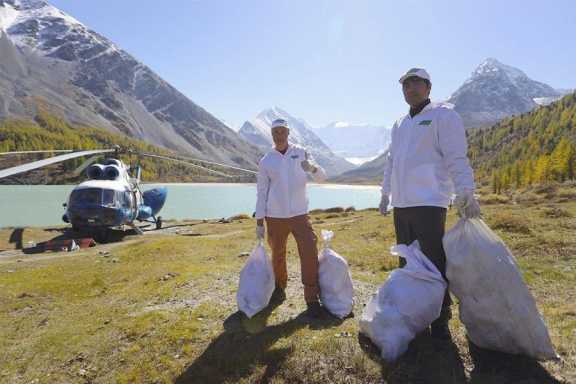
(278, 230)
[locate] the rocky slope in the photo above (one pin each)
(50, 60)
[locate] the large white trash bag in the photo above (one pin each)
(336, 290)
(408, 302)
(256, 282)
(495, 304)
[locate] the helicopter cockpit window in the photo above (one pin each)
(85, 196)
(97, 196)
(108, 197)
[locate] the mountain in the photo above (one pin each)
(257, 132)
(371, 172)
(50, 60)
(495, 91)
(355, 140)
(48, 131)
(533, 148)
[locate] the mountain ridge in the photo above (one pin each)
(495, 91)
(88, 80)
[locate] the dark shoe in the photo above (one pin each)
(440, 331)
(278, 296)
(316, 311)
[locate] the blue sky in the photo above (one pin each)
(331, 60)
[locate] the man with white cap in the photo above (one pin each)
(283, 204)
(427, 160)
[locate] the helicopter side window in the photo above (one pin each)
(125, 199)
(108, 197)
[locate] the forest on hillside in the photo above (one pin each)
(49, 132)
(534, 148)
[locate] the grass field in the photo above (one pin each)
(160, 308)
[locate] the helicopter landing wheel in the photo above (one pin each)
(159, 222)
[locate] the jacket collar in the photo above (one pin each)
(431, 106)
(274, 150)
(414, 111)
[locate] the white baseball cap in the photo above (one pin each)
(415, 72)
(280, 123)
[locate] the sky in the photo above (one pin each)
(331, 60)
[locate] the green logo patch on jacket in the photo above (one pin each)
(425, 122)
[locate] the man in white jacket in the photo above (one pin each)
(427, 160)
(282, 202)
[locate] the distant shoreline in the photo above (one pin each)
(219, 184)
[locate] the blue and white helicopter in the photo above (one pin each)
(112, 198)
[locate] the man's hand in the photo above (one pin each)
(307, 166)
(467, 205)
(384, 202)
(260, 232)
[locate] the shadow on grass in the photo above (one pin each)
(426, 361)
(246, 343)
(431, 361)
(65, 234)
(492, 367)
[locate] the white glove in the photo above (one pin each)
(467, 205)
(384, 202)
(260, 232)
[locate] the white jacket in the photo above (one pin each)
(281, 185)
(427, 159)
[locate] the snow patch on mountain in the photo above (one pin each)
(54, 60)
(355, 140)
(495, 91)
(8, 15)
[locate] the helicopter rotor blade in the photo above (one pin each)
(188, 159)
(52, 160)
(186, 163)
(43, 151)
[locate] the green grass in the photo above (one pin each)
(160, 309)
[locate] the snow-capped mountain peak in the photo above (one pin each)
(273, 113)
(353, 140)
(51, 59)
(491, 65)
(495, 91)
(257, 131)
(341, 124)
(16, 11)
(40, 26)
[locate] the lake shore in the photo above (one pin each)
(42, 205)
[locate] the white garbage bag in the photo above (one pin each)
(495, 304)
(336, 290)
(408, 302)
(256, 282)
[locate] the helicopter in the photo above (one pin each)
(111, 197)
